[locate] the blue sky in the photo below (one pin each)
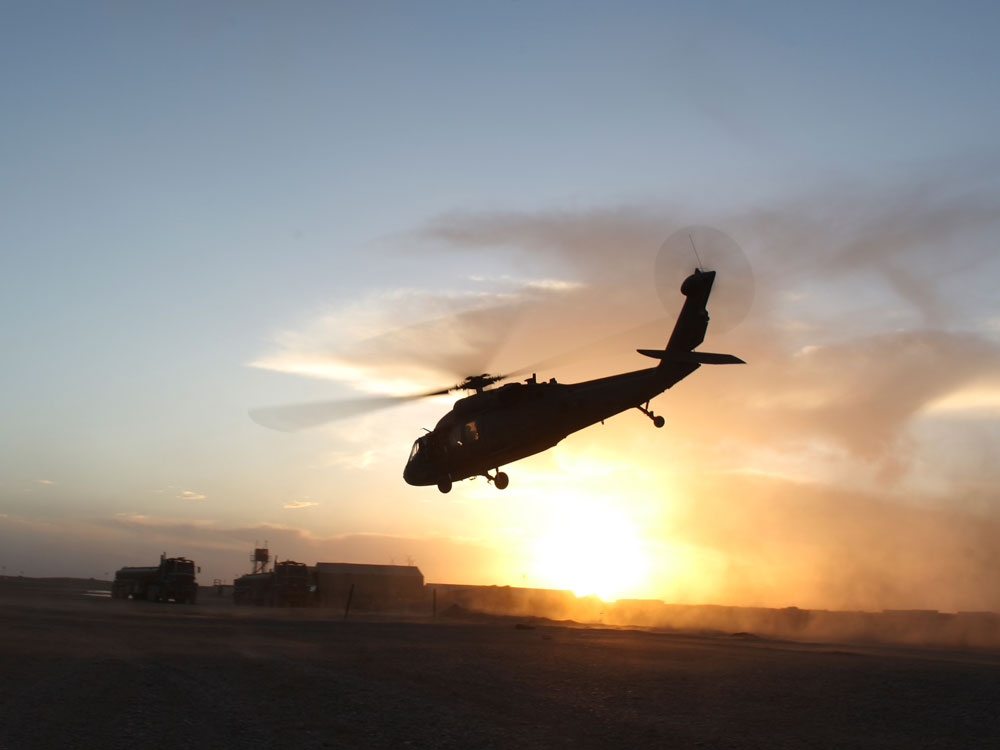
(189, 188)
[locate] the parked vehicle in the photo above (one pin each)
(172, 580)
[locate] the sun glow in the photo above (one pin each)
(591, 548)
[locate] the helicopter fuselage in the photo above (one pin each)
(499, 426)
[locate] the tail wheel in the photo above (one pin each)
(501, 480)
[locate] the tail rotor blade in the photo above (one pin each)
(708, 249)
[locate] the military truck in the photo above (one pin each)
(171, 580)
(288, 585)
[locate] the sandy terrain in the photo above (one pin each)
(88, 672)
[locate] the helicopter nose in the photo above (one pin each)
(408, 475)
(415, 473)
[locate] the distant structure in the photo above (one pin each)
(289, 584)
(260, 558)
(286, 584)
(376, 587)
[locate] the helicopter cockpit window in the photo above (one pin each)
(416, 449)
(464, 434)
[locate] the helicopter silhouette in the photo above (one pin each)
(495, 427)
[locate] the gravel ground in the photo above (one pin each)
(89, 672)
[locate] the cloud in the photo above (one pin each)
(48, 482)
(869, 308)
(827, 546)
(296, 504)
(592, 243)
(360, 458)
(142, 520)
(862, 392)
(867, 321)
(456, 334)
(841, 466)
(190, 495)
(978, 401)
(864, 310)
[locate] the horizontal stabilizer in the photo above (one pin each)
(701, 358)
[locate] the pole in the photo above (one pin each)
(350, 595)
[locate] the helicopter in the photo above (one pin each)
(494, 427)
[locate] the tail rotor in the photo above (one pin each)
(706, 249)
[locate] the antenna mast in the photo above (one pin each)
(696, 256)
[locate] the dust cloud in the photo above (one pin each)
(838, 482)
(837, 478)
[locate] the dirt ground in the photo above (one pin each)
(81, 671)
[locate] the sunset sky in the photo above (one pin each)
(212, 207)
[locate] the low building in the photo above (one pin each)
(377, 588)
(556, 604)
(288, 585)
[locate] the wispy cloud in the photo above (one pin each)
(361, 458)
(872, 341)
(297, 504)
(456, 334)
(145, 520)
(131, 517)
(976, 401)
(45, 481)
(191, 495)
(861, 317)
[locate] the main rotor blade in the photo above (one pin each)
(458, 344)
(653, 330)
(295, 417)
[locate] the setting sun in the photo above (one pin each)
(590, 548)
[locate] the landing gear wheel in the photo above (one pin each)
(658, 421)
(501, 480)
(445, 486)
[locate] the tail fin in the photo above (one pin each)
(692, 323)
(689, 331)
